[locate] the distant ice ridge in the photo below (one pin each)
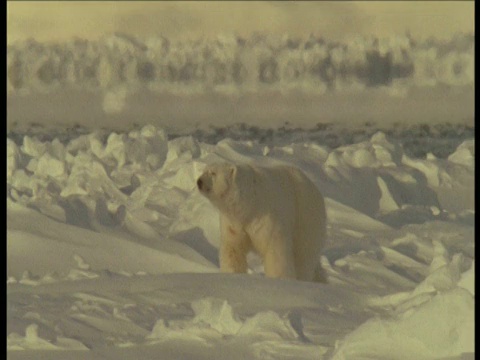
(418, 140)
(120, 63)
(135, 180)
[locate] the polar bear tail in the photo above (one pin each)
(320, 275)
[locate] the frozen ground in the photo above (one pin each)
(112, 253)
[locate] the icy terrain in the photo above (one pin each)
(112, 252)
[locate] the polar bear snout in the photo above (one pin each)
(199, 184)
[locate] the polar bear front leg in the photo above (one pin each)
(234, 246)
(232, 259)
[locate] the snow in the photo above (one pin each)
(409, 335)
(112, 252)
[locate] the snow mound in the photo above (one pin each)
(375, 153)
(465, 154)
(31, 341)
(438, 328)
(268, 325)
(217, 314)
(467, 280)
(432, 321)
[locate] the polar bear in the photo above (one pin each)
(275, 211)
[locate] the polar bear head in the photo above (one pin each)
(225, 185)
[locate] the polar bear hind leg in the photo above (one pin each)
(310, 235)
(320, 274)
(278, 261)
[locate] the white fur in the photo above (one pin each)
(276, 211)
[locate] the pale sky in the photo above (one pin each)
(59, 20)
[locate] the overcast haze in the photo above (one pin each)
(61, 20)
